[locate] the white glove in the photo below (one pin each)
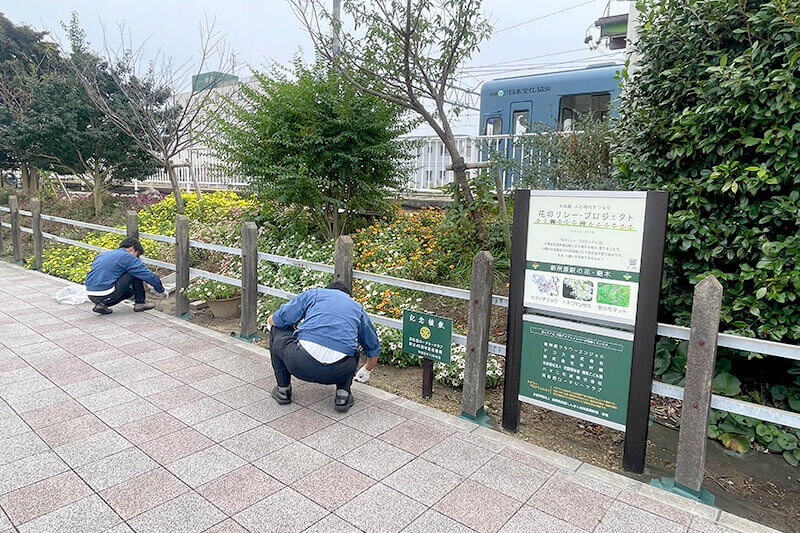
(362, 375)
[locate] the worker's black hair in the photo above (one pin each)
(339, 286)
(130, 242)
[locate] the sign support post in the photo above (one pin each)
(427, 378)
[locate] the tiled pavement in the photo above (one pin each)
(147, 423)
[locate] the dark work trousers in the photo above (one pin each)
(289, 359)
(125, 287)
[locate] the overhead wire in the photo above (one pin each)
(540, 17)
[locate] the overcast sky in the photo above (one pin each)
(260, 32)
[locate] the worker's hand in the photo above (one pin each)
(362, 376)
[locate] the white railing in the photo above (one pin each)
(429, 161)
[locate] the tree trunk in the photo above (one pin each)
(176, 187)
(460, 174)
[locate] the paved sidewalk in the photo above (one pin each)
(144, 422)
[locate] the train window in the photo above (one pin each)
(573, 106)
(493, 126)
(520, 121)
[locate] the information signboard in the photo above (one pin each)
(427, 336)
(585, 282)
(583, 254)
(576, 369)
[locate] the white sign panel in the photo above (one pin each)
(584, 253)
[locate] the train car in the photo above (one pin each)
(511, 106)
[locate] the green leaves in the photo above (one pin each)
(726, 384)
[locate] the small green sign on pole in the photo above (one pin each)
(427, 336)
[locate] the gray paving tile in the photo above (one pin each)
(11, 425)
(217, 384)
(115, 469)
(226, 425)
(423, 481)
(188, 513)
(459, 456)
(332, 524)
(106, 398)
(80, 389)
(336, 440)
(435, 522)
(127, 412)
(396, 510)
(242, 396)
(5, 523)
(87, 516)
(573, 503)
(92, 448)
(528, 518)
(283, 512)
(301, 423)
(238, 490)
(267, 410)
(256, 443)
(205, 465)
(510, 477)
(414, 437)
(333, 485)
(478, 507)
(196, 412)
(252, 372)
(21, 446)
(377, 459)
(373, 421)
(292, 462)
(38, 400)
(29, 470)
(624, 518)
(154, 385)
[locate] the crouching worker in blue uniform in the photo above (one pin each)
(117, 275)
(323, 348)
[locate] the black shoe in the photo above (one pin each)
(343, 400)
(138, 308)
(282, 395)
(102, 309)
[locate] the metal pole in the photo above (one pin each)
(336, 23)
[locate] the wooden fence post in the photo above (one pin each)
(13, 204)
(181, 266)
(343, 261)
(249, 329)
(478, 323)
(700, 364)
(132, 223)
(36, 226)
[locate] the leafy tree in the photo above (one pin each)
(154, 103)
(305, 138)
(407, 53)
(713, 117)
(25, 56)
(66, 133)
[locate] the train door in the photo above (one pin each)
(521, 115)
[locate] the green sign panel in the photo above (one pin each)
(576, 369)
(427, 336)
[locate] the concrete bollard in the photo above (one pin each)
(36, 227)
(343, 261)
(181, 266)
(13, 205)
(479, 321)
(697, 388)
(693, 436)
(249, 328)
(132, 223)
